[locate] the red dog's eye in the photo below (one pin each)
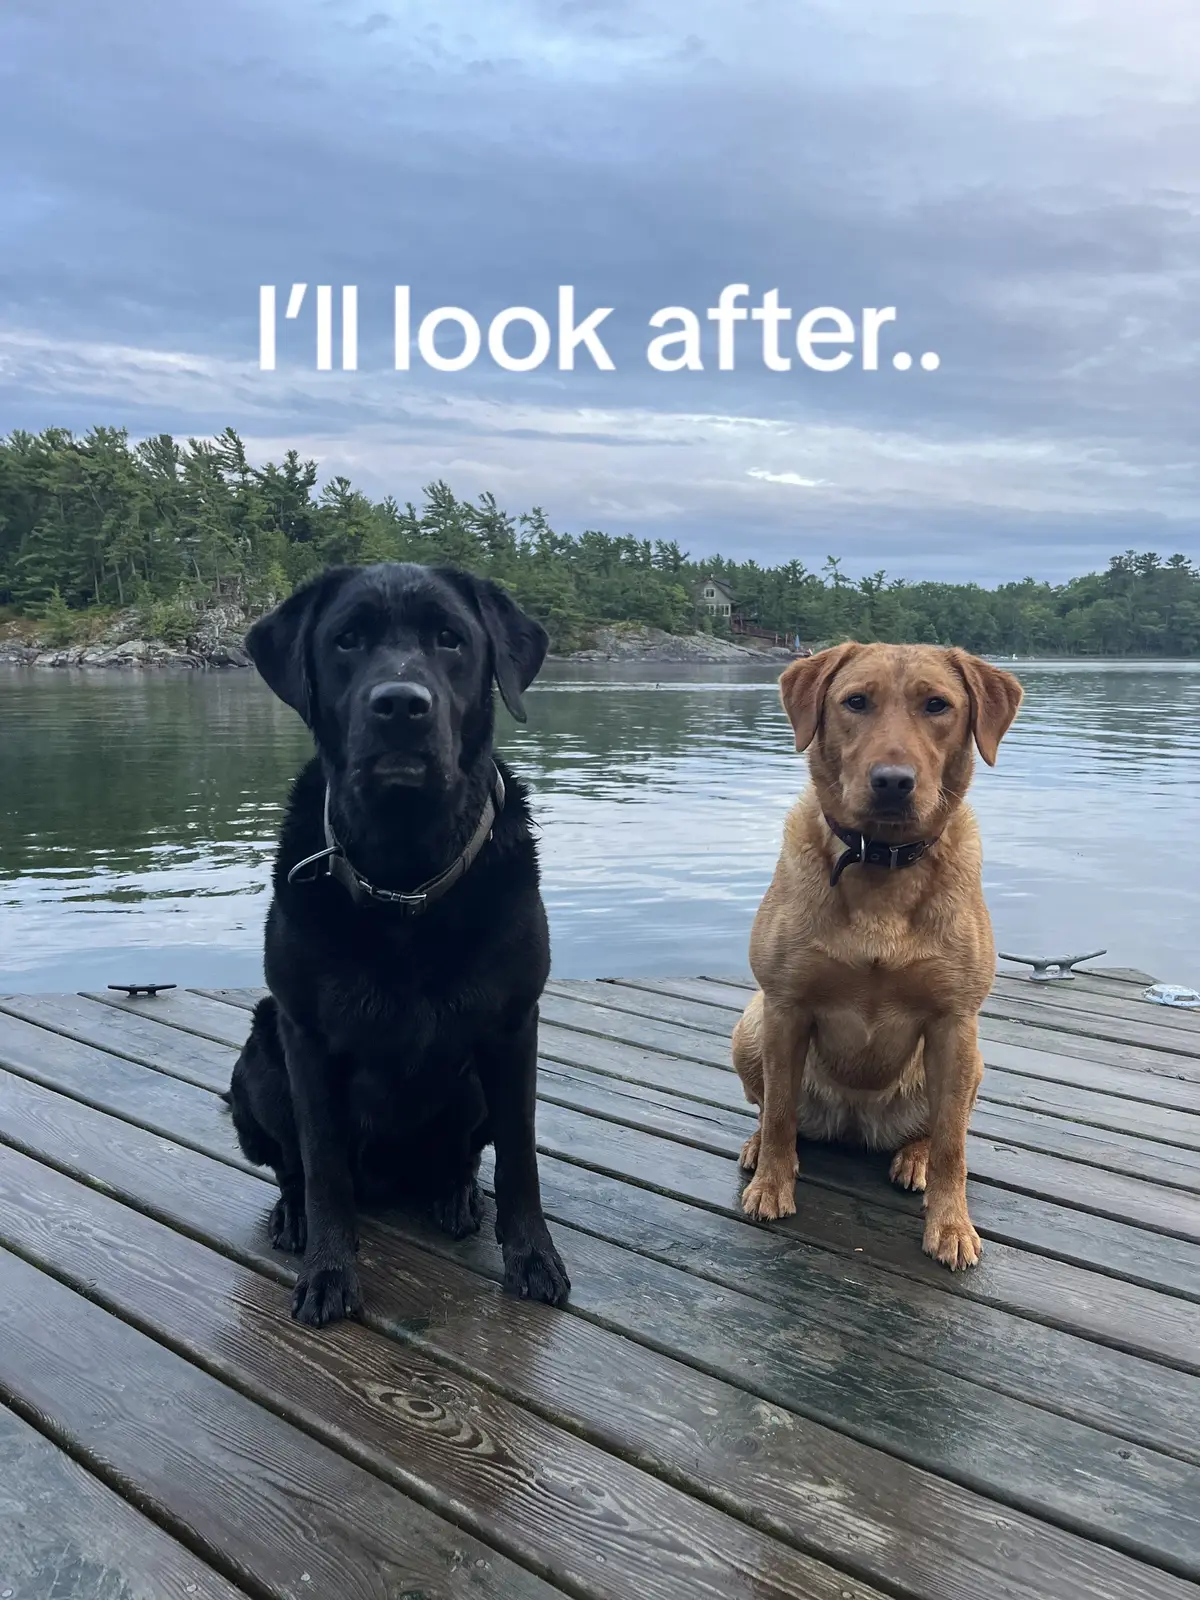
(935, 703)
(855, 702)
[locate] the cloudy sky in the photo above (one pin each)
(1018, 180)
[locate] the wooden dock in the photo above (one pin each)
(811, 1408)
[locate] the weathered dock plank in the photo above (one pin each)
(924, 1535)
(1102, 1191)
(551, 1501)
(136, 1038)
(64, 1535)
(804, 1408)
(255, 1496)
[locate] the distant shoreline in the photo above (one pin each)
(154, 656)
(218, 646)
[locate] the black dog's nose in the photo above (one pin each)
(892, 783)
(400, 702)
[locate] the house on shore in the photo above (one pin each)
(716, 597)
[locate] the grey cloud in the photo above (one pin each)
(171, 161)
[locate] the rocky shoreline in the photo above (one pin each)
(653, 645)
(217, 643)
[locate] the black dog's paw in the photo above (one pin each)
(460, 1214)
(327, 1295)
(288, 1226)
(536, 1272)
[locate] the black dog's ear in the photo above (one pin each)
(519, 644)
(278, 643)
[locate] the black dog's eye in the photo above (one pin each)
(447, 639)
(855, 702)
(348, 639)
(936, 704)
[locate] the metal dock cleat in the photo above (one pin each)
(1051, 969)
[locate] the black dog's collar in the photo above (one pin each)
(337, 864)
(874, 852)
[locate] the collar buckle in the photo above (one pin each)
(394, 897)
(861, 851)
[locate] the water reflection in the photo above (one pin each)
(137, 816)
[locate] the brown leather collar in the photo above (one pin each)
(874, 852)
(333, 862)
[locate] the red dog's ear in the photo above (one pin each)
(803, 686)
(995, 700)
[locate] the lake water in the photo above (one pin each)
(137, 816)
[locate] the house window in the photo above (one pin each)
(710, 593)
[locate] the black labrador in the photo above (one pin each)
(406, 942)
